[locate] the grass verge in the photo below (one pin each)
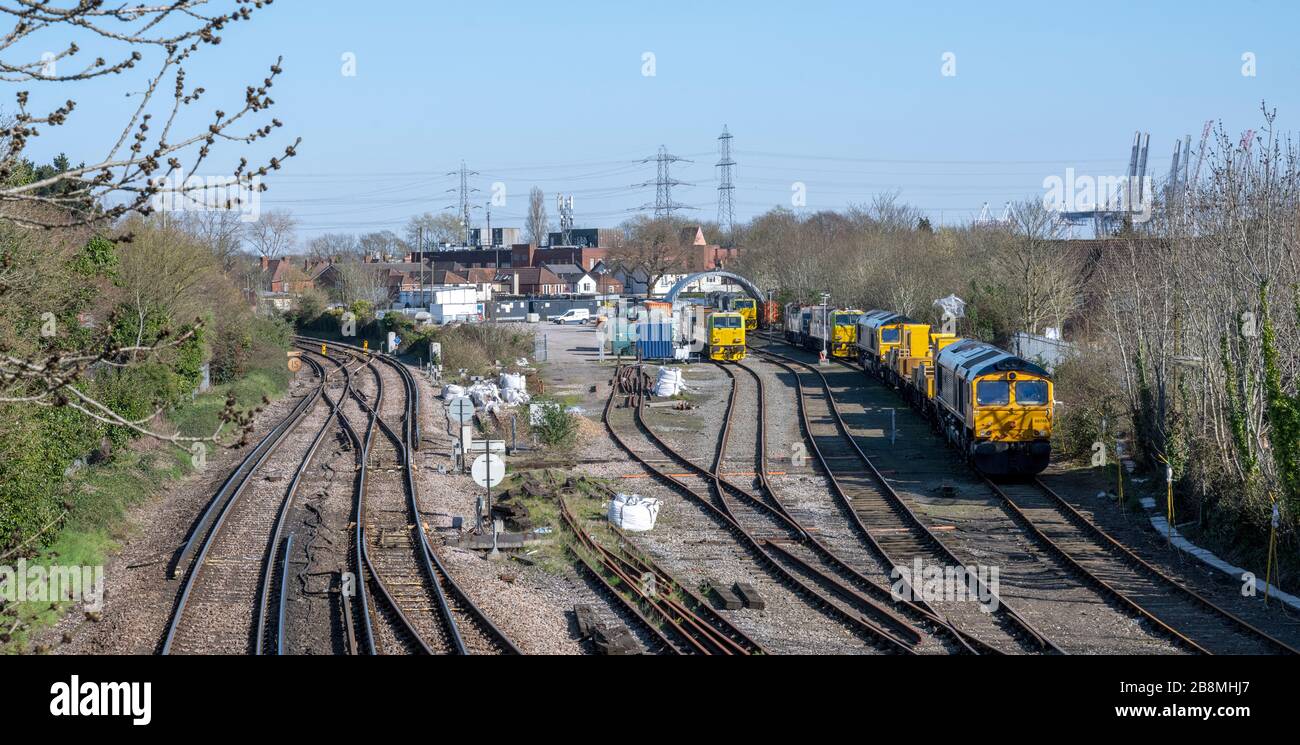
(99, 496)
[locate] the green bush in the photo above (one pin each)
(1082, 386)
(36, 448)
(311, 304)
(556, 428)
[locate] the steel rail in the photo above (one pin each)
(805, 537)
(403, 626)
(284, 590)
(435, 571)
(1096, 530)
(1108, 542)
(217, 516)
(853, 618)
(477, 615)
(202, 526)
(262, 634)
(665, 607)
(900, 507)
(920, 608)
(635, 561)
(698, 646)
(378, 424)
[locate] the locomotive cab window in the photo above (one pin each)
(842, 319)
(993, 392)
(1031, 392)
(889, 336)
(727, 322)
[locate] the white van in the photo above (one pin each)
(573, 315)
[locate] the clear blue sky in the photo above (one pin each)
(846, 97)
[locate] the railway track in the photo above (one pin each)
(702, 485)
(229, 549)
(1181, 613)
(804, 552)
(1138, 588)
(892, 530)
(678, 619)
(297, 614)
(415, 606)
(918, 610)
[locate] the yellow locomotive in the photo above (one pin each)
(994, 406)
(835, 329)
(747, 307)
(726, 336)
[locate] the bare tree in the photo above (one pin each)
(333, 246)
(435, 229)
(220, 230)
(360, 281)
(536, 225)
(383, 244)
(145, 160)
(655, 246)
(1036, 268)
(272, 234)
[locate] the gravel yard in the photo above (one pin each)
(531, 597)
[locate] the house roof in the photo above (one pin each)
(693, 236)
(566, 270)
(443, 277)
(533, 275)
(480, 275)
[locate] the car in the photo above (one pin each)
(573, 315)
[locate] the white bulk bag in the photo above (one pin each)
(669, 382)
(633, 512)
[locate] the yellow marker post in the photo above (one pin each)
(365, 345)
(322, 349)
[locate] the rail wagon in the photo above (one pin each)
(793, 316)
(726, 336)
(915, 373)
(879, 331)
(916, 347)
(836, 329)
(994, 406)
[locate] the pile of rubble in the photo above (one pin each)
(509, 390)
